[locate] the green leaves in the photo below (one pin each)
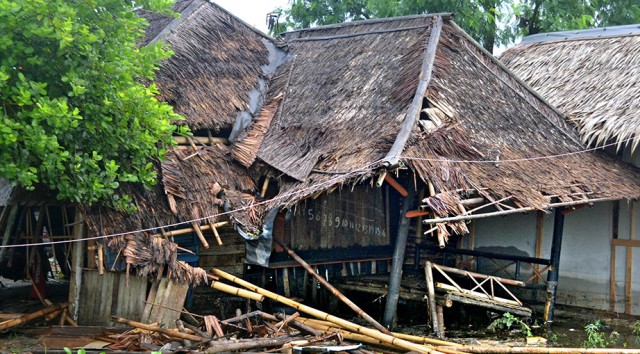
(491, 22)
(74, 115)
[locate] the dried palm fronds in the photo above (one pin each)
(245, 149)
(594, 81)
(153, 255)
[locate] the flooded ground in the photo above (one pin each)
(465, 325)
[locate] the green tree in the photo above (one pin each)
(78, 114)
(491, 22)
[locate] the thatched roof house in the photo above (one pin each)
(592, 76)
(215, 79)
(361, 97)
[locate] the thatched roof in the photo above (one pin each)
(592, 76)
(5, 192)
(220, 64)
(350, 90)
(192, 185)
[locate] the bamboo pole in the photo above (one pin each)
(265, 186)
(26, 318)
(155, 328)
(411, 338)
(187, 230)
(431, 295)
(332, 289)
(544, 350)
(481, 276)
(325, 316)
(203, 240)
(215, 233)
(381, 179)
(236, 291)
(200, 139)
(100, 258)
(453, 348)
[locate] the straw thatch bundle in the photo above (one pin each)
(595, 81)
(153, 256)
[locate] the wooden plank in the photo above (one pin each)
(174, 301)
(151, 299)
(626, 243)
(155, 310)
(539, 233)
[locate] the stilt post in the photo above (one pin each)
(395, 275)
(552, 277)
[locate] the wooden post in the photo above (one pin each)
(628, 274)
(395, 276)
(552, 277)
(615, 222)
(77, 262)
(416, 259)
(431, 297)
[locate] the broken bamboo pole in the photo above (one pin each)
(215, 233)
(542, 350)
(156, 328)
(452, 348)
(203, 240)
(332, 289)
(298, 325)
(236, 291)
(187, 230)
(411, 338)
(26, 318)
(325, 316)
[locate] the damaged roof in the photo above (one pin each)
(216, 77)
(593, 76)
(355, 98)
(219, 67)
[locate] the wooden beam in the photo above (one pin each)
(395, 275)
(393, 183)
(628, 275)
(393, 156)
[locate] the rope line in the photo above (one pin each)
(301, 191)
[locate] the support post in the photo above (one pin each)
(552, 277)
(77, 262)
(395, 276)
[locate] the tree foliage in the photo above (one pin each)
(75, 114)
(491, 22)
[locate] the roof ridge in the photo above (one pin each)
(595, 33)
(443, 15)
(192, 8)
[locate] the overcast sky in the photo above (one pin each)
(253, 12)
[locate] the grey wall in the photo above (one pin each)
(585, 255)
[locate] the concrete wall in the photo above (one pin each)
(585, 256)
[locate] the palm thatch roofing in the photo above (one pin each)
(218, 62)
(358, 98)
(218, 72)
(592, 76)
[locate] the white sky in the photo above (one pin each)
(253, 12)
